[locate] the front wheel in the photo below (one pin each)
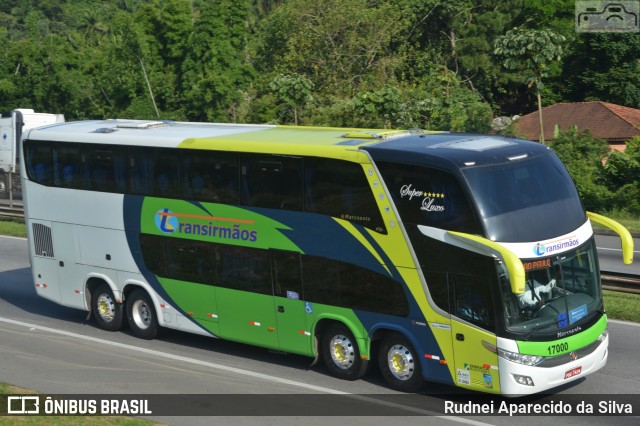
(141, 315)
(340, 353)
(106, 311)
(399, 364)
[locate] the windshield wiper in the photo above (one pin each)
(536, 328)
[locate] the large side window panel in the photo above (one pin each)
(67, 167)
(211, 176)
(287, 274)
(152, 247)
(39, 159)
(271, 181)
(366, 290)
(340, 189)
(472, 300)
(107, 168)
(321, 279)
(341, 284)
(188, 261)
(155, 172)
(242, 268)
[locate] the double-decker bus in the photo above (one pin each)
(452, 258)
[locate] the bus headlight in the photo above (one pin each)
(603, 335)
(520, 358)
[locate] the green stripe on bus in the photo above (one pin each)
(565, 345)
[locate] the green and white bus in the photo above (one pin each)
(452, 258)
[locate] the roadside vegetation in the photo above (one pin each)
(12, 227)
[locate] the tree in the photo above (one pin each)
(294, 90)
(531, 51)
(215, 69)
(583, 155)
(604, 67)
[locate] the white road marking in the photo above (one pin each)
(239, 371)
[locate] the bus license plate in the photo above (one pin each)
(572, 373)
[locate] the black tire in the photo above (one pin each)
(106, 311)
(4, 185)
(400, 364)
(340, 353)
(141, 315)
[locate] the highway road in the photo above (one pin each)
(55, 350)
(610, 255)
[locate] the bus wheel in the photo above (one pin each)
(106, 311)
(340, 353)
(141, 315)
(399, 364)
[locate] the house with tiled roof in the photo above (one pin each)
(614, 123)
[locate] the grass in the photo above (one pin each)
(631, 222)
(6, 389)
(12, 227)
(622, 306)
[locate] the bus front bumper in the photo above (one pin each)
(518, 379)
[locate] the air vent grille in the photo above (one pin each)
(42, 240)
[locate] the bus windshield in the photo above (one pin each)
(560, 291)
(525, 200)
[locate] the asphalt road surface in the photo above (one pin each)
(55, 350)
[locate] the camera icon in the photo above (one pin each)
(599, 16)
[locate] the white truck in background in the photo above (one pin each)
(12, 125)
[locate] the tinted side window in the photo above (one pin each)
(67, 166)
(472, 300)
(152, 248)
(287, 274)
(340, 189)
(39, 161)
(337, 283)
(438, 288)
(321, 278)
(366, 290)
(155, 172)
(242, 268)
(428, 196)
(211, 176)
(188, 261)
(107, 169)
(271, 181)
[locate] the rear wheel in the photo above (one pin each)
(340, 353)
(399, 363)
(106, 311)
(141, 315)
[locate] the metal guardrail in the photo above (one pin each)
(12, 211)
(623, 283)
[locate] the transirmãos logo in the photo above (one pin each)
(166, 221)
(205, 226)
(541, 249)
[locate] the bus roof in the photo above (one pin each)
(205, 135)
(436, 148)
(459, 150)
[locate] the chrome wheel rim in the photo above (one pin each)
(106, 307)
(401, 362)
(141, 314)
(342, 351)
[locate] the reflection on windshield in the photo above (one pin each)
(537, 192)
(560, 293)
